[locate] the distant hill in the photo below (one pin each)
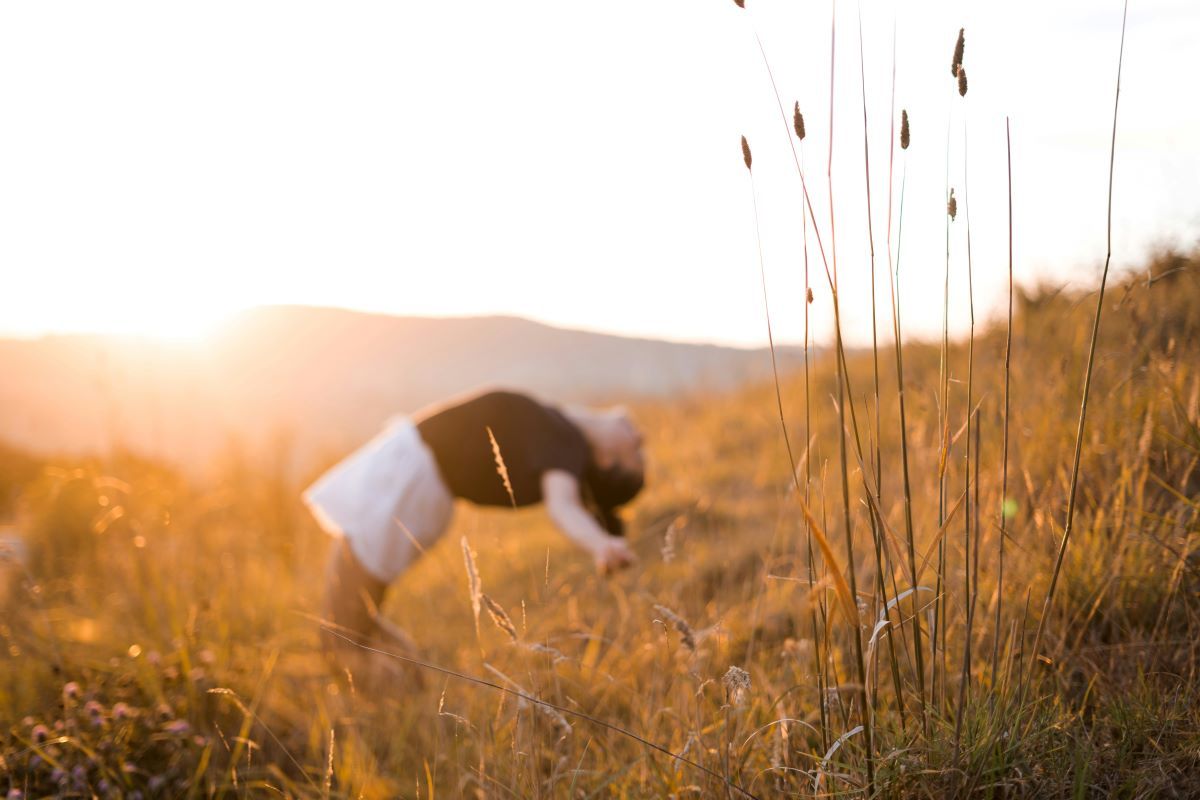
(321, 379)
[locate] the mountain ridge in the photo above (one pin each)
(322, 379)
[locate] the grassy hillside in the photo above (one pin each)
(160, 639)
(318, 379)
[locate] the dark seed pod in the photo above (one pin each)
(809, 292)
(740, 3)
(962, 81)
(746, 152)
(904, 135)
(952, 206)
(956, 62)
(798, 122)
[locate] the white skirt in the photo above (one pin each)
(387, 499)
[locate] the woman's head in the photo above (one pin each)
(618, 465)
(615, 440)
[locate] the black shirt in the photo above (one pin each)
(533, 438)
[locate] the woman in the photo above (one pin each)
(394, 497)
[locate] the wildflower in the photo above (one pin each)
(70, 691)
(94, 710)
(40, 733)
(180, 727)
(122, 711)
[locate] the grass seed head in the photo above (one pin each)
(670, 540)
(500, 617)
(501, 467)
(740, 3)
(798, 122)
(962, 81)
(956, 62)
(746, 152)
(686, 634)
(904, 132)
(474, 585)
(737, 685)
(952, 206)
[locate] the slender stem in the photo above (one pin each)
(876, 532)
(939, 608)
(893, 282)
(1087, 376)
(787, 440)
(970, 582)
(1004, 446)
(812, 564)
(842, 379)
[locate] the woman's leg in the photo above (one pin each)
(351, 618)
(351, 602)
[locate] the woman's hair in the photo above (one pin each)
(605, 490)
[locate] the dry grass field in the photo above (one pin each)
(956, 569)
(159, 638)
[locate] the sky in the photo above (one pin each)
(165, 164)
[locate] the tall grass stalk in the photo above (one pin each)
(893, 281)
(812, 564)
(842, 380)
(938, 634)
(797, 158)
(1069, 526)
(970, 582)
(1004, 503)
(877, 462)
(787, 440)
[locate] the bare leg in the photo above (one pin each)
(351, 609)
(351, 602)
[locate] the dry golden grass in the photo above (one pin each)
(169, 648)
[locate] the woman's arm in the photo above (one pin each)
(560, 493)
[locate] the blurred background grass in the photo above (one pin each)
(157, 634)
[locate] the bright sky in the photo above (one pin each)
(162, 164)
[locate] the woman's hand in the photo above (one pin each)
(613, 555)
